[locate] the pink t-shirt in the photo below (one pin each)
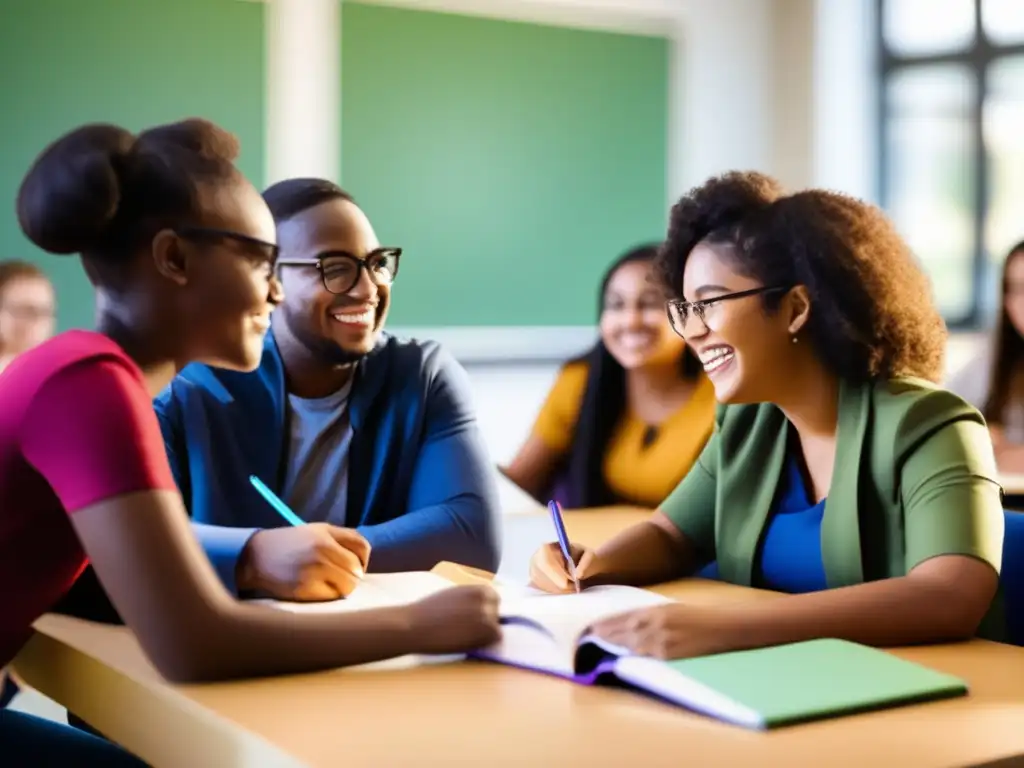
(76, 427)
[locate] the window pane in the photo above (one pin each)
(919, 27)
(1003, 20)
(1004, 140)
(929, 181)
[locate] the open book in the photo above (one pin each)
(761, 688)
(554, 621)
(547, 633)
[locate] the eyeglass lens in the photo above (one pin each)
(341, 272)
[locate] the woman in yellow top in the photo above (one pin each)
(624, 422)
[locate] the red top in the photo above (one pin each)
(76, 427)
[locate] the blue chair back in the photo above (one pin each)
(1012, 576)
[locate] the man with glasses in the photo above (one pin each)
(368, 438)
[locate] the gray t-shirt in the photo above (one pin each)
(316, 481)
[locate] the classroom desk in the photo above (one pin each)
(403, 713)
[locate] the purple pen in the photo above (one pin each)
(563, 541)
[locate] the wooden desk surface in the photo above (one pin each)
(402, 713)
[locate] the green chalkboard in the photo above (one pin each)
(132, 62)
(511, 161)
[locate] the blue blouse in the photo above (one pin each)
(790, 559)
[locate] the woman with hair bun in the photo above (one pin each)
(181, 250)
(838, 471)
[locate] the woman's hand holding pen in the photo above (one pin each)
(549, 571)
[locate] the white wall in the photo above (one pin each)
(303, 80)
(507, 399)
(844, 95)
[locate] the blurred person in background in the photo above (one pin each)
(994, 380)
(27, 308)
(625, 421)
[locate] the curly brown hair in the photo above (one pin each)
(872, 313)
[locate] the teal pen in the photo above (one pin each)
(279, 506)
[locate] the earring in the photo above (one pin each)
(794, 339)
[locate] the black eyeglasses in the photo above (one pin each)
(267, 251)
(679, 310)
(340, 271)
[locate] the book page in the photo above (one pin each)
(542, 630)
(376, 590)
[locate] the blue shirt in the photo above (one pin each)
(790, 558)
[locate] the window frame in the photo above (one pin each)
(978, 57)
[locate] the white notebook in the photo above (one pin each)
(541, 631)
(376, 590)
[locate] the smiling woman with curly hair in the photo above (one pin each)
(838, 472)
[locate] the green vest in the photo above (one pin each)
(914, 477)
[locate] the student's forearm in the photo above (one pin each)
(890, 612)
(240, 640)
(468, 534)
(161, 582)
(641, 555)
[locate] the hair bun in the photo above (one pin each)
(71, 194)
(207, 145)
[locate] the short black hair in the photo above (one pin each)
(872, 312)
(291, 197)
(100, 190)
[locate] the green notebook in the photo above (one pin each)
(787, 684)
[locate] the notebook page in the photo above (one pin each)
(376, 590)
